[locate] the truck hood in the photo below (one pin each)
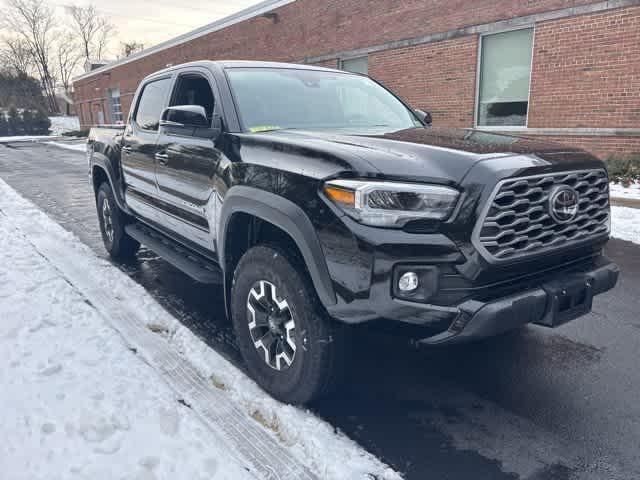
(432, 153)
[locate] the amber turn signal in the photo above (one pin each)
(339, 195)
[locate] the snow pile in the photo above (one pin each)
(77, 147)
(618, 191)
(258, 430)
(76, 402)
(60, 125)
(625, 223)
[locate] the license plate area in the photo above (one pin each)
(567, 299)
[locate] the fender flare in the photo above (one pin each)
(290, 218)
(97, 161)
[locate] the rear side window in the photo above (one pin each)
(151, 104)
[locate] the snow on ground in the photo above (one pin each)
(76, 399)
(618, 191)
(625, 223)
(23, 138)
(59, 125)
(78, 147)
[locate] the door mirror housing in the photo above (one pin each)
(190, 120)
(184, 116)
(424, 117)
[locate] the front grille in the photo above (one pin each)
(518, 221)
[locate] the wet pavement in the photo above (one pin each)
(533, 404)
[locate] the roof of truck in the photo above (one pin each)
(245, 64)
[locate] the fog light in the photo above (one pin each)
(408, 282)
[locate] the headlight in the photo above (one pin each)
(391, 204)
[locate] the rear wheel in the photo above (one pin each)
(112, 222)
(291, 347)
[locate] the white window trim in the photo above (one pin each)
(505, 128)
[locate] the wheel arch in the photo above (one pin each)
(242, 207)
(102, 171)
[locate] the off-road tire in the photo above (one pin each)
(317, 363)
(117, 242)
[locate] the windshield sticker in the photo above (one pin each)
(263, 128)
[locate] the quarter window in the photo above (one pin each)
(505, 73)
(151, 104)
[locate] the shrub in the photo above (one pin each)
(4, 125)
(15, 122)
(28, 122)
(41, 123)
(624, 170)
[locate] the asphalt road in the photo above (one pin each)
(535, 404)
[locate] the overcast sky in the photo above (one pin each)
(152, 21)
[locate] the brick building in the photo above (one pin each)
(568, 70)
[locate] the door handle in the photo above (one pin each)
(162, 158)
(126, 149)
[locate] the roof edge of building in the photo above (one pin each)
(246, 14)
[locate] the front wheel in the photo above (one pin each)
(291, 348)
(117, 242)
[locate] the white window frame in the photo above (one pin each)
(113, 112)
(502, 128)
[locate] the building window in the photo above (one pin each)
(114, 105)
(356, 65)
(505, 73)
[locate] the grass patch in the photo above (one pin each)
(273, 424)
(157, 328)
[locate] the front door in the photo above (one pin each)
(186, 165)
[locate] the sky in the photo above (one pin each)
(153, 21)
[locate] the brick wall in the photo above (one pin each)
(436, 77)
(308, 28)
(586, 71)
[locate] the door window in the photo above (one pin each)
(194, 90)
(151, 104)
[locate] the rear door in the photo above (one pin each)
(186, 164)
(139, 142)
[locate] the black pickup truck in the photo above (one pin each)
(316, 198)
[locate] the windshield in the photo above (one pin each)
(276, 98)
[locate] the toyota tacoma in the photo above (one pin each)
(317, 199)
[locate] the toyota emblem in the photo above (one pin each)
(563, 204)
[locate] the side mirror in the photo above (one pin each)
(424, 117)
(192, 116)
(190, 120)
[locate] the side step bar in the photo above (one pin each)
(196, 266)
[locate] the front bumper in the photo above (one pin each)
(553, 303)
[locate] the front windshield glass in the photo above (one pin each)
(276, 98)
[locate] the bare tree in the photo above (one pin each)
(93, 30)
(33, 21)
(129, 48)
(67, 59)
(16, 56)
